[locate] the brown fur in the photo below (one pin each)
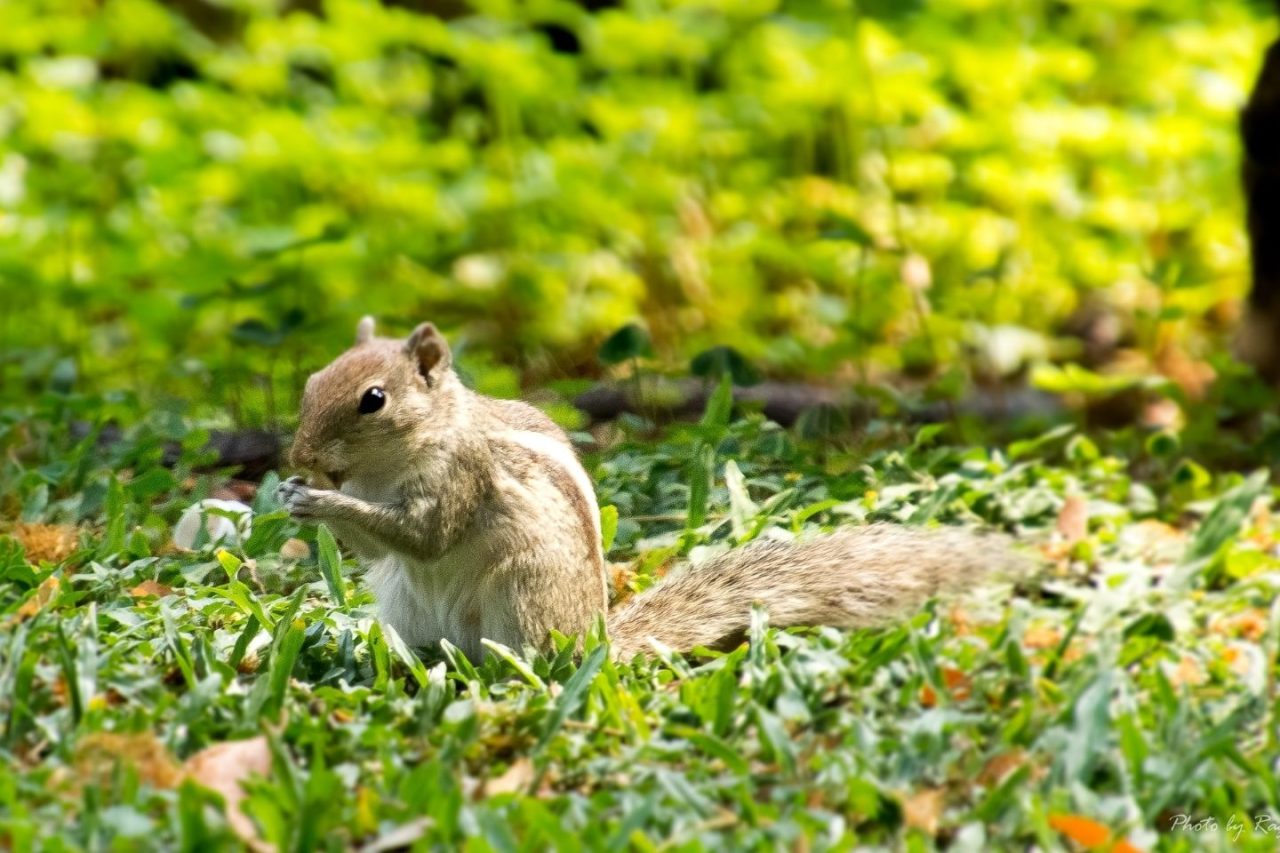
(853, 578)
(476, 520)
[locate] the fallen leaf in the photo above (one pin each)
(1191, 375)
(958, 684)
(1154, 537)
(1248, 624)
(150, 588)
(1073, 519)
(237, 490)
(97, 755)
(1042, 637)
(45, 593)
(1262, 534)
(998, 767)
(516, 779)
(960, 621)
(1080, 829)
(295, 549)
(223, 768)
(51, 543)
(1188, 672)
(622, 575)
(1234, 657)
(1162, 414)
(923, 809)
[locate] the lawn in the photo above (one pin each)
(918, 208)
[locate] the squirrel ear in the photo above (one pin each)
(428, 348)
(364, 330)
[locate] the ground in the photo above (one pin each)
(1127, 681)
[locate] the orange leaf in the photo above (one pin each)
(1073, 519)
(295, 549)
(223, 768)
(923, 809)
(45, 593)
(958, 684)
(150, 588)
(1042, 638)
(1123, 846)
(516, 779)
(1250, 624)
(1188, 672)
(998, 768)
(97, 755)
(51, 543)
(1080, 829)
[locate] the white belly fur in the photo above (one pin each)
(427, 601)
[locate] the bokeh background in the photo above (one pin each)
(199, 199)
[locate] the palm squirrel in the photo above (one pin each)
(474, 518)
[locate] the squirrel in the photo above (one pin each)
(474, 519)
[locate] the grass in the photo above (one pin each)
(1006, 195)
(1132, 681)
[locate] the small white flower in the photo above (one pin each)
(221, 530)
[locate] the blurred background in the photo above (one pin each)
(949, 198)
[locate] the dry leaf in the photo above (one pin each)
(923, 809)
(46, 592)
(998, 767)
(236, 490)
(514, 780)
(1262, 534)
(622, 575)
(1080, 829)
(97, 756)
(1192, 376)
(1073, 519)
(223, 768)
(46, 542)
(1045, 637)
(958, 684)
(1188, 672)
(1234, 657)
(1248, 624)
(1161, 414)
(151, 588)
(295, 549)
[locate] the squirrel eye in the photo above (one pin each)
(373, 399)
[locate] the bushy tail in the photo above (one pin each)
(853, 578)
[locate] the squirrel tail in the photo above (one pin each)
(853, 578)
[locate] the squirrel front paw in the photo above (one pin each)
(298, 498)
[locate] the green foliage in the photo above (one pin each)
(196, 210)
(1127, 683)
(211, 202)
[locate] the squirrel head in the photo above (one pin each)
(381, 399)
